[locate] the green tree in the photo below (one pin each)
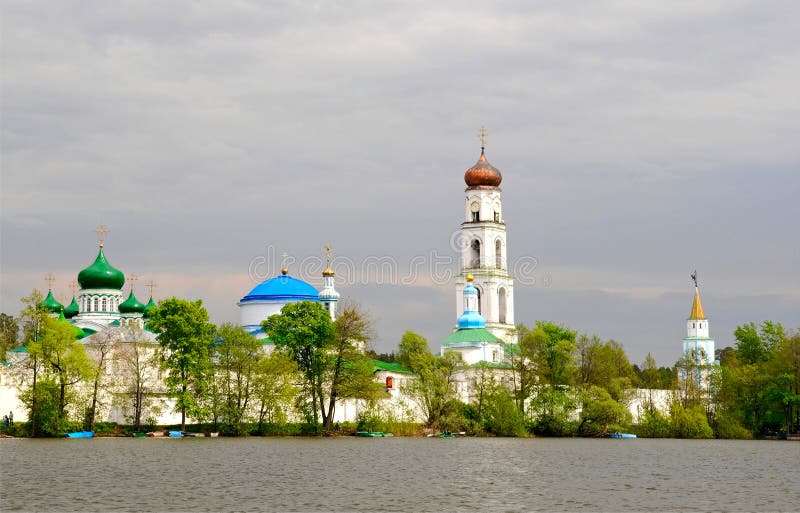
(238, 358)
(32, 317)
(274, 388)
(9, 334)
(185, 336)
(350, 373)
(305, 331)
(522, 359)
(65, 363)
(432, 389)
(601, 412)
(499, 414)
(102, 344)
(138, 366)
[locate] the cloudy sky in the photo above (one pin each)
(638, 141)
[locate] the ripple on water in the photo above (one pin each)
(397, 474)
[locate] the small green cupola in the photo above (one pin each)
(72, 310)
(51, 304)
(149, 307)
(101, 275)
(131, 305)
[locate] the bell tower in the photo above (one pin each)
(483, 248)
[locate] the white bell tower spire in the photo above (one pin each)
(483, 248)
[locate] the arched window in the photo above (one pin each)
(95, 305)
(495, 355)
(498, 254)
(502, 307)
(105, 305)
(476, 253)
(479, 299)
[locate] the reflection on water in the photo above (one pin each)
(398, 474)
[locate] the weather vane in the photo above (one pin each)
(694, 278)
(101, 231)
(482, 136)
(49, 278)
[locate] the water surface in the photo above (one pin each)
(398, 474)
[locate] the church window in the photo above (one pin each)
(479, 299)
(95, 305)
(105, 306)
(496, 216)
(693, 326)
(502, 306)
(475, 217)
(476, 253)
(389, 382)
(498, 254)
(494, 355)
(475, 208)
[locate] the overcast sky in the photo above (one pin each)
(638, 141)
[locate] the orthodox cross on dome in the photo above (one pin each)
(132, 279)
(284, 269)
(482, 133)
(49, 278)
(151, 285)
(101, 231)
(694, 278)
(328, 255)
(73, 286)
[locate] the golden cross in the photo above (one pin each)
(151, 285)
(49, 278)
(482, 136)
(73, 285)
(101, 231)
(132, 279)
(328, 255)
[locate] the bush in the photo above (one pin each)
(689, 422)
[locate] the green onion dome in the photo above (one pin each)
(51, 304)
(131, 305)
(72, 310)
(101, 275)
(149, 307)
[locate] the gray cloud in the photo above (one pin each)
(637, 140)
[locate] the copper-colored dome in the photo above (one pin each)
(483, 174)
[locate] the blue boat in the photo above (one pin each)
(622, 435)
(175, 434)
(81, 434)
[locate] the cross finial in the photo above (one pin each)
(151, 285)
(482, 136)
(73, 285)
(101, 231)
(284, 269)
(328, 255)
(132, 279)
(49, 278)
(694, 278)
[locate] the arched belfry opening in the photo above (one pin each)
(502, 301)
(475, 253)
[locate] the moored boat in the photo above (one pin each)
(622, 435)
(81, 434)
(175, 434)
(373, 433)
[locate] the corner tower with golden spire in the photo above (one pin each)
(483, 248)
(698, 345)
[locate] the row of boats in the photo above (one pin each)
(151, 434)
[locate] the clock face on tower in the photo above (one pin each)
(475, 207)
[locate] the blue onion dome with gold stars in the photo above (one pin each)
(131, 305)
(101, 275)
(72, 310)
(282, 288)
(51, 304)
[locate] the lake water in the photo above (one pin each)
(398, 474)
